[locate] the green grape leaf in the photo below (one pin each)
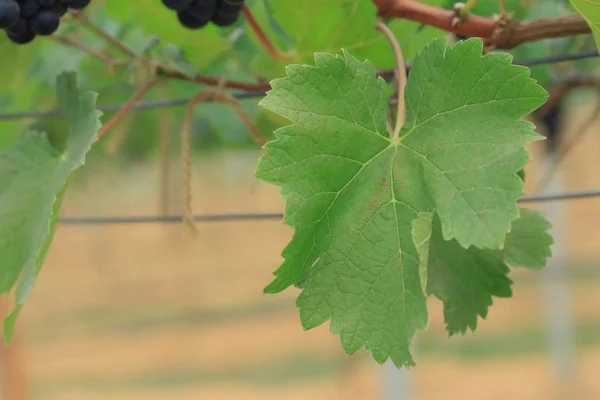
(590, 10)
(33, 177)
(528, 244)
(352, 192)
(465, 280)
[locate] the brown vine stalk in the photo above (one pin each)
(508, 36)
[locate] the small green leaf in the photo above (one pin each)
(528, 244)
(33, 177)
(465, 280)
(590, 10)
(353, 193)
(9, 324)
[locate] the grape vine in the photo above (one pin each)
(397, 189)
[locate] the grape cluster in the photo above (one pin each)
(195, 14)
(23, 20)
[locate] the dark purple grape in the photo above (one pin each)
(47, 3)
(203, 9)
(21, 38)
(228, 11)
(29, 8)
(45, 22)
(9, 13)
(76, 4)
(230, 8)
(61, 9)
(223, 21)
(19, 27)
(177, 5)
(189, 21)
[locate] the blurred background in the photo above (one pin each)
(148, 311)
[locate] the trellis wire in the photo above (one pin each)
(142, 105)
(145, 105)
(558, 58)
(137, 219)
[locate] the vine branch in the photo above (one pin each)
(509, 36)
(212, 81)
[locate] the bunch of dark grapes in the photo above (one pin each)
(195, 14)
(23, 20)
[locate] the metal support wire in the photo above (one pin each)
(558, 58)
(140, 219)
(142, 105)
(269, 216)
(145, 105)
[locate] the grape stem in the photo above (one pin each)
(101, 56)
(262, 37)
(142, 90)
(86, 22)
(400, 78)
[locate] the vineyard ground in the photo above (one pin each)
(147, 312)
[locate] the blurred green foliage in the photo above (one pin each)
(27, 73)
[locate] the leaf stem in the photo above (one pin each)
(400, 76)
(262, 37)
